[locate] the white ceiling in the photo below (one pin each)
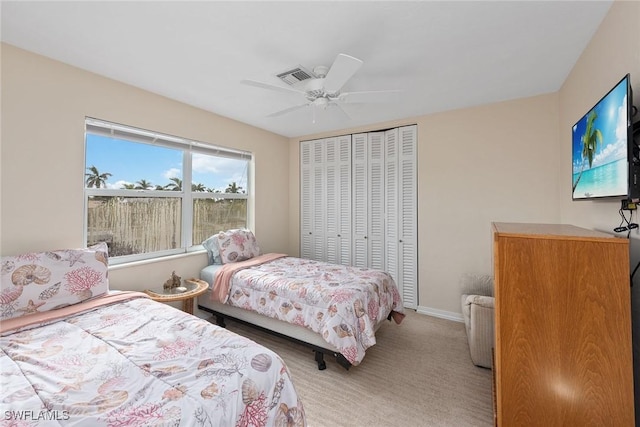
(442, 55)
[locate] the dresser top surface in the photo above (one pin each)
(552, 231)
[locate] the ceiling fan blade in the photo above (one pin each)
(370, 96)
(342, 110)
(343, 68)
(271, 87)
(287, 110)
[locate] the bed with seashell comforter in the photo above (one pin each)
(341, 305)
(74, 353)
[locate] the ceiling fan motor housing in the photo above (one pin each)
(321, 103)
(315, 89)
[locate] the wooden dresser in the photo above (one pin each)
(563, 354)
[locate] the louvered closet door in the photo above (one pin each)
(333, 202)
(376, 217)
(306, 193)
(391, 203)
(345, 192)
(318, 203)
(339, 201)
(360, 204)
(312, 200)
(325, 199)
(408, 216)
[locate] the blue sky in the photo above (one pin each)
(612, 122)
(129, 162)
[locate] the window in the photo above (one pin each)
(135, 199)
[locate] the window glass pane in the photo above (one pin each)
(219, 174)
(116, 163)
(137, 225)
(134, 225)
(213, 215)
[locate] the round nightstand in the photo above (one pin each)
(195, 287)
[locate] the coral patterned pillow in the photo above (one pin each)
(237, 245)
(43, 281)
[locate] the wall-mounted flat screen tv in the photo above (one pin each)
(601, 146)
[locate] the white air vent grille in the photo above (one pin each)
(296, 75)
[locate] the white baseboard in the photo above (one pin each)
(449, 315)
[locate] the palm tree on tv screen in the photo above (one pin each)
(590, 140)
(95, 178)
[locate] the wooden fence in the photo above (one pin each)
(133, 225)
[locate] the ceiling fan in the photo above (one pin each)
(322, 87)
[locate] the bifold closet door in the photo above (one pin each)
(400, 211)
(391, 207)
(338, 199)
(368, 200)
(360, 199)
(376, 212)
(359, 203)
(312, 197)
(325, 199)
(306, 222)
(408, 215)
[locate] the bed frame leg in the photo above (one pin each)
(320, 360)
(342, 361)
(220, 321)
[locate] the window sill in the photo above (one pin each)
(156, 260)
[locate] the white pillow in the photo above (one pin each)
(211, 245)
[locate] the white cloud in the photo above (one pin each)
(621, 125)
(172, 173)
(617, 150)
(208, 164)
(611, 153)
(219, 172)
(117, 185)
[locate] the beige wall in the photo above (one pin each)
(44, 104)
(492, 163)
(613, 52)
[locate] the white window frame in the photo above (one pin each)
(188, 147)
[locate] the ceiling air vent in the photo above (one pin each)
(296, 75)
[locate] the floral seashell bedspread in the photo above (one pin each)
(139, 363)
(341, 303)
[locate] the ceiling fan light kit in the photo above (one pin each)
(321, 87)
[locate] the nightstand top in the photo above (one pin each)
(195, 287)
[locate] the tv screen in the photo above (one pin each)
(601, 147)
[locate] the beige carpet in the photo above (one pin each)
(418, 374)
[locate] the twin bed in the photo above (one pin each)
(74, 353)
(334, 309)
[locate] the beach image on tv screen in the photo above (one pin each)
(600, 148)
